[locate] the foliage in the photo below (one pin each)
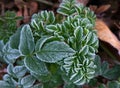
(8, 24)
(46, 53)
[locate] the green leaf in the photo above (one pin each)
(10, 54)
(19, 71)
(26, 45)
(51, 17)
(98, 70)
(43, 40)
(10, 70)
(45, 16)
(1, 45)
(42, 78)
(10, 79)
(85, 12)
(78, 33)
(67, 7)
(104, 67)
(36, 66)
(75, 68)
(51, 28)
(34, 24)
(92, 38)
(15, 39)
(27, 81)
(113, 84)
(112, 73)
(54, 81)
(84, 50)
(101, 86)
(54, 51)
(78, 78)
(104, 70)
(37, 86)
(69, 86)
(85, 21)
(4, 84)
(7, 78)
(40, 43)
(1, 51)
(92, 82)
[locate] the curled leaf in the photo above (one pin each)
(106, 35)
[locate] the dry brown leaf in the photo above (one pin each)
(93, 7)
(84, 2)
(26, 9)
(102, 8)
(33, 6)
(106, 35)
(19, 3)
(26, 14)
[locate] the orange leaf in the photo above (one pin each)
(26, 15)
(84, 2)
(106, 35)
(102, 8)
(93, 7)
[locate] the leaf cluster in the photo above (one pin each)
(47, 54)
(8, 24)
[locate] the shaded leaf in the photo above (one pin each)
(1, 45)
(43, 77)
(4, 84)
(101, 86)
(113, 84)
(10, 70)
(19, 71)
(1, 50)
(10, 55)
(102, 8)
(27, 81)
(102, 68)
(10, 79)
(69, 86)
(37, 86)
(113, 73)
(35, 65)
(15, 39)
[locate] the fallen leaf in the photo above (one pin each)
(26, 14)
(93, 7)
(33, 5)
(19, 13)
(84, 2)
(26, 9)
(106, 35)
(19, 3)
(102, 9)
